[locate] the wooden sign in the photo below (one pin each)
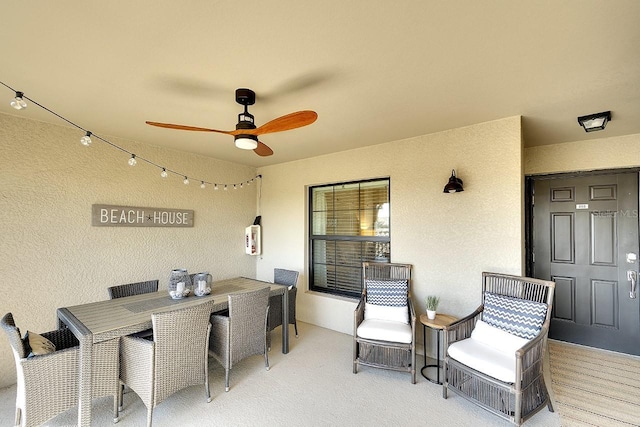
(131, 216)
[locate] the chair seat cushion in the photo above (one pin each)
(489, 350)
(385, 330)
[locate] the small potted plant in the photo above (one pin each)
(431, 303)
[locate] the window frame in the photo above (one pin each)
(343, 238)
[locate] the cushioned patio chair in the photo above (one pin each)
(243, 332)
(47, 376)
(287, 278)
(384, 326)
(494, 356)
(175, 359)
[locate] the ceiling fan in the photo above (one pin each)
(246, 133)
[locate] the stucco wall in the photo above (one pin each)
(604, 153)
(449, 238)
(51, 256)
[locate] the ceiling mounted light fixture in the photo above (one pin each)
(594, 122)
(454, 185)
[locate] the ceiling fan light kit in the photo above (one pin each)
(246, 134)
(246, 142)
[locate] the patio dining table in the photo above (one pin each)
(100, 321)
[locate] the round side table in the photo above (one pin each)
(436, 324)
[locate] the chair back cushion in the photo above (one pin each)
(387, 292)
(383, 312)
(497, 338)
(517, 316)
(37, 345)
(387, 300)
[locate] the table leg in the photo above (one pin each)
(437, 365)
(424, 346)
(85, 338)
(438, 357)
(84, 400)
(285, 321)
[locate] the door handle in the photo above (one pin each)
(632, 276)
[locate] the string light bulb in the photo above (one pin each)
(132, 160)
(225, 187)
(186, 180)
(86, 140)
(215, 186)
(164, 173)
(17, 102)
(202, 185)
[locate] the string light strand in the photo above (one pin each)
(133, 158)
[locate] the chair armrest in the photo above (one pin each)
(529, 346)
(461, 328)
(218, 320)
(529, 358)
(137, 365)
(219, 336)
(358, 315)
(53, 360)
(135, 345)
(412, 318)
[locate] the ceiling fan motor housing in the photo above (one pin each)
(245, 96)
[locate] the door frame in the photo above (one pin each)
(529, 181)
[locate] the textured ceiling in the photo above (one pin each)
(374, 71)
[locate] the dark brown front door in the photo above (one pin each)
(585, 238)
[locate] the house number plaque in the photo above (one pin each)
(132, 216)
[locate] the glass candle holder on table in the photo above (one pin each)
(180, 285)
(202, 284)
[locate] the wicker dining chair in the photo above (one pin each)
(175, 359)
(130, 289)
(47, 384)
(287, 278)
(120, 291)
(494, 356)
(384, 326)
(243, 332)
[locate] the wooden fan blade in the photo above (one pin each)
(262, 150)
(288, 122)
(183, 127)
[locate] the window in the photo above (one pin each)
(348, 224)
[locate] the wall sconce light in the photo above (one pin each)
(454, 185)
(594, 122)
